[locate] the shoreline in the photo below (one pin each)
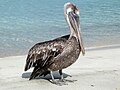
(86, 48)
(103, 47)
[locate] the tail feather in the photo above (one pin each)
(26, 67)
(33, 75)
(28, 64)
(36, 72)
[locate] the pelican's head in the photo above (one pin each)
(71, 13)
(69, 7)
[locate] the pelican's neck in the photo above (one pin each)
(72, 33)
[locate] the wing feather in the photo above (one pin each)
(41, 54)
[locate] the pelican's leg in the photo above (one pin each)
(53, 80)
(64, 80)
(61, 75)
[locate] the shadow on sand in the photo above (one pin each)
(47, 77)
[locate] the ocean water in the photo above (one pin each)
(26, 22)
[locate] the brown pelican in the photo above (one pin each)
(57, 54)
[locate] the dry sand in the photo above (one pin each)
(99, 69)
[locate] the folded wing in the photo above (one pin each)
(41, 55)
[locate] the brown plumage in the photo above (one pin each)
(59, 53)
(44, 51)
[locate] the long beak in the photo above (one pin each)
(74, 20)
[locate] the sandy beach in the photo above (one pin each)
(99, 69)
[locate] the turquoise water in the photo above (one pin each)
(26, 22)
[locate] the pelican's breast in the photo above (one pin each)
(69, 55)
